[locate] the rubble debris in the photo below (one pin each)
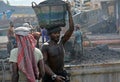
(98, 54)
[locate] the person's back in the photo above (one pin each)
(78, 42)
(10, 32)
(11, 38)
(13, 58)
(26, 59)
(78, 36)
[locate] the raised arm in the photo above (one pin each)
(69, 32)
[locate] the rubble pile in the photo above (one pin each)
(99, 54)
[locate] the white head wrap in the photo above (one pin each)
(27, 25)
(24, 31)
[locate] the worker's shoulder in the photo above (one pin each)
(45, 45)
(14, 50)
(37, 51)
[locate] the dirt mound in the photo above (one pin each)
(99, 54)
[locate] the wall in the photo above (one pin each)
(95, 73)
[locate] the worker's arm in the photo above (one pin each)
(69, 32)
(41, 68)
(15, 75)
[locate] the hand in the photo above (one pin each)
(60, 79)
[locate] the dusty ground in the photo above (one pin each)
(98, 54)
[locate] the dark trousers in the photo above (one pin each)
(47, 78)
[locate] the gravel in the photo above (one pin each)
(98, 54)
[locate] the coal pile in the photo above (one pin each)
(98, 54)
(105, 26)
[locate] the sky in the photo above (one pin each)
(22, 2)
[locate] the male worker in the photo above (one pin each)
(78, 41)
(44, 34)
(27, 61)
(53, 53)
(11, 38)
